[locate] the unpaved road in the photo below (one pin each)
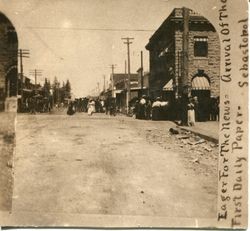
(106, 165)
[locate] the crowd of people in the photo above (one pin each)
(36, 104)
(145, 108)
(93, 105)
(185, 110)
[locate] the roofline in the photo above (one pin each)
(173, 18)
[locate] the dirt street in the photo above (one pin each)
(110, 165)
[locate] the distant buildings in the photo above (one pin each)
(8, 65)
(120, 88)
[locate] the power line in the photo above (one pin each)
(90, 29)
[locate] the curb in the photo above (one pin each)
(202, 135)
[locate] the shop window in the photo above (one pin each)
(200, 47)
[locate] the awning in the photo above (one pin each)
(168, 86)
(118, 91)
(200, 83)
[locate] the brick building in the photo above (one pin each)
(8, 65)
(166, 58)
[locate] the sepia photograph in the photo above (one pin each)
(123, 113)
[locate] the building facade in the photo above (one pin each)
(8, 65)
(167, 60)
(120, 88)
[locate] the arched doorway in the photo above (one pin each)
(8, 65)
(200, 88)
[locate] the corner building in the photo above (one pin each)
(166, 58)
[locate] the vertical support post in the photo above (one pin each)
(21, 72)
(142, 73)
(185, 47)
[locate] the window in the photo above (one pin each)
(200, 47)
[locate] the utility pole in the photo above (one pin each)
(36, 73)
(184, 83)
(185, 13)
(104, 83)
(22, 53)
(98, 88)
(128, 42)
(142, 72)
(112, 66)
(125, 66)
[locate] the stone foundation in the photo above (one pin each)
(11, 104)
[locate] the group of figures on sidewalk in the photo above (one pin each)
(185, 110)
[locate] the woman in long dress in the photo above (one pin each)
(191, 113)
(91, 107)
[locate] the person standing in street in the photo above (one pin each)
(91, 107)
(148, 108)
(71, 109)
(191, 113)
(156, 108)
(142, 107)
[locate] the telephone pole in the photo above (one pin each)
(112, 66)
(184, 80)
(142, 73)
(98, 89)
(22, 53)
(36, 73)
(185, 15)
(104, 83)
(128, 42)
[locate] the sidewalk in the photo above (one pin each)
(7, 145)
(208, 130)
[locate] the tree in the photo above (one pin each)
(46, 87)
(67, 89)
(56, 89)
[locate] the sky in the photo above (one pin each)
(79, 39)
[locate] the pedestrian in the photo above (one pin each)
(148, 109)
(32, 105)
(91, 107)
(142, 108)
(196, 108)
(112, 106)
(156, 108)
(71, 109)
(190, 111)
(136, 109)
